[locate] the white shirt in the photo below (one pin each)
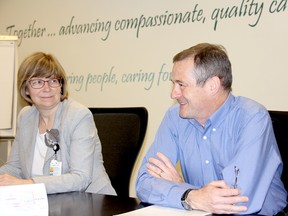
(39, 154)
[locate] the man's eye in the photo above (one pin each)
(181, 84)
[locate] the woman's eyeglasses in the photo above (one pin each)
(39, 83)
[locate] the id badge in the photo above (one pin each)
(55, 168)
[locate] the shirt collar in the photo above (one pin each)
(217, 117)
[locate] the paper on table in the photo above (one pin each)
(24, 200)
(158, 210)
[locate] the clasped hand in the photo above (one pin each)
(6, 180)
(163, 168)
(216, 197)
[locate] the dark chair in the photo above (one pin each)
(121, 132)
(280, 126)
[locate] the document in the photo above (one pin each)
(158, 210)
(24, 200)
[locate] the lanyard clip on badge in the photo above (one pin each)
(51, 141)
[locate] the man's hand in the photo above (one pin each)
(163, 168)
(217, 197)
(6, 180)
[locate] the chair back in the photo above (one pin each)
(121, 132)
(280, 127)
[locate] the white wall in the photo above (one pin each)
(255, 35)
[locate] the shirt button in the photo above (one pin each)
(214, 129)
(204, 137)
(206, 161)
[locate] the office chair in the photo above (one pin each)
(121, 132)
(280, 126)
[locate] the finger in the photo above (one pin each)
(4, 180)
(220, 184)
(154, 170)
(165, 160)
(219, 189)
(229, 192)
(168, 164)
(153, 174)
(168, 167)
(229, 209)
(159, 164)
(238, 199)
(223, 192)
(156, 174)
(232, 200)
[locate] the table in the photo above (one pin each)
(86, 204)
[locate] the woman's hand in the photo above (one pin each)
(6, 180)
(163, 168)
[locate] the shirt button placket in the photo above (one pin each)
(206, 161)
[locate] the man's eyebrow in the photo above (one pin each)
(176, 81)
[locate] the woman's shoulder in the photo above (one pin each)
(72, 106)
(27, 114)
(27, 111)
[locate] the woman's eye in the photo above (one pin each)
(37, 82)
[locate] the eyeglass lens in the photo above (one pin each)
(39, 83)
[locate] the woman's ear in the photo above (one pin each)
(27, 91)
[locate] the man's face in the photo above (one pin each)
(193, 99)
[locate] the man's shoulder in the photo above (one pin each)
(248, 107)
(248, 104)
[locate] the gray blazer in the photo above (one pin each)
(80, 151)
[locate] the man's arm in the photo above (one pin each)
(216, 197)
(163, 168)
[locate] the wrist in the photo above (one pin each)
(184, 201)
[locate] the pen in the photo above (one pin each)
(236, 173)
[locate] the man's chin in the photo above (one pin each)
(183, 114)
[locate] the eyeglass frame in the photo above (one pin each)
(48, 81)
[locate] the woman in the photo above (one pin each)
(56, 142)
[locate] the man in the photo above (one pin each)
(226, 147)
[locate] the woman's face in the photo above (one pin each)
(45, 93)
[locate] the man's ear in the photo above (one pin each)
(213, 84)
